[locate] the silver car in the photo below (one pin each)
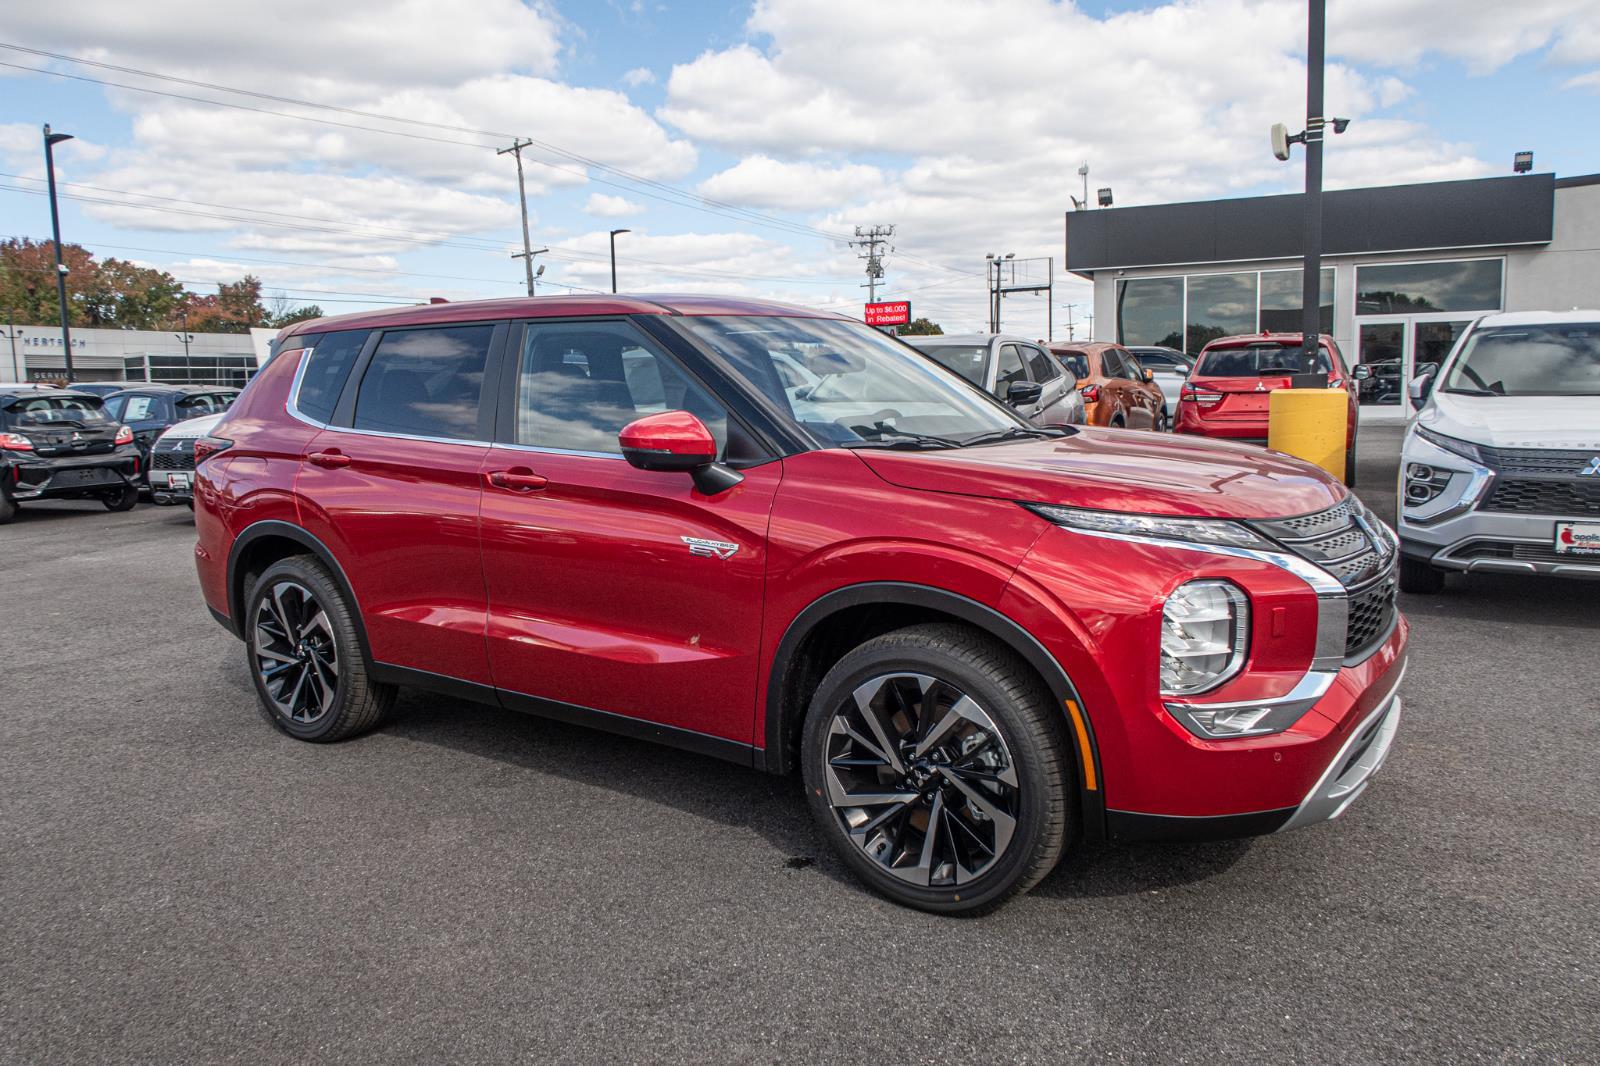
(1170, 368)
(1017, 370)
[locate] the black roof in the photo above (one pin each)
(45, 390)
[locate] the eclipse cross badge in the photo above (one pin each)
(710, 549)
(1592, 470)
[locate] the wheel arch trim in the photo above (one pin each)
(1078, 728)
(273, 527)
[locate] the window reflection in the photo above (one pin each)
(1281, 296)
(1220, 305)
(1417, 288)
(1150, 311)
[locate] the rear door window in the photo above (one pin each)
(425, 383)
(1040, 365)
(141, 408)
(1076, 362)
(327, 368)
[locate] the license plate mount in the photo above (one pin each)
(1578, 538)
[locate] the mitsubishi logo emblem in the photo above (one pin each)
(1261, 386)
(1592, 470)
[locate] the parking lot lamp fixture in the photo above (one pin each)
(614, 256)
(50, 142)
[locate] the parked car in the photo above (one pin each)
(148, 409)
(1500, 471)
(977, 640)
(1227, 392)
(1116, 390)
(172, 460)
(1018, 371)
(1170, 368)
(60, 445)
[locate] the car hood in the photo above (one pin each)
(193, 427)
(1121, 470)
(1565, 422)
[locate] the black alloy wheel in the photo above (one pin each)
(921, 780)
(293, 652)
(123, 499)
(937, 765)
(306, 657)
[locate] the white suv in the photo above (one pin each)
(1500, 471)
(172, 459)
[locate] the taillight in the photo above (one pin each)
(1091, 393)
(124, 435)
(15, 442)
(1199, 396)
(206, 447)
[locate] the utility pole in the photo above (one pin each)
(614, 256)
(1071, 332)
(50, 142)
(12, 332)
(870, 239)
(1311, 291)
(522, 196)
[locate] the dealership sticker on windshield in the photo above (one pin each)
(1578, 538)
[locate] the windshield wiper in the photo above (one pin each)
(902, 438)
(995, 436)
(1473, 392)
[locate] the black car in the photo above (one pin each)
(149, 409)
(101, 389)
(57, 444)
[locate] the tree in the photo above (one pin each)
(921, 327)
(236, 308)
(299, 314)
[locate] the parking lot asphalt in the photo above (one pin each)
(179, 882)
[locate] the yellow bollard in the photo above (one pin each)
(1310, 424)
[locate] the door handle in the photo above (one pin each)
(331, 460)
(518, 480)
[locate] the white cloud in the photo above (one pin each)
(603, 206)
(1589, 81)
(761, 181)
(639, 76)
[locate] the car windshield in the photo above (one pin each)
(848, 384)
(1553, 360)
(50, 410)
(965, 359)
(1259, 360)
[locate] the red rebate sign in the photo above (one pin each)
(894, 313)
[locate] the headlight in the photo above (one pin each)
(1205, 632)
(1465, 449)
(1193, 530)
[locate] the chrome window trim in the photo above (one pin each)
(561, 451)
(293, 404)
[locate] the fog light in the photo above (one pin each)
(1205, 631)
(1424, 483)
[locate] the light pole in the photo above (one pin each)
(50, 142)
(614, 256)
(185, 337)
(12, 333)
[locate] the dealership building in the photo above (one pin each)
(36, 353)
(1405, 267)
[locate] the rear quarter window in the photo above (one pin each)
(327, 368)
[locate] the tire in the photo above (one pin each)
(1350, 462)
(305, 657)
(8, 507)
(123, 499)
(1010, 732)
(1420, 577)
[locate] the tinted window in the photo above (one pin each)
(65, 410)
(1258, 360)
(1150, 311)
(1111, 364)
(1159, 360)
(1220, 305)
(1040, 365)
(968, 360)
(579, 383)
(1076, 362)
(141, 408)
(330, 363)
(425, 383)
(1010, 368)
(1282, 296)
(1466, 285)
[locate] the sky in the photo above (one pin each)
(347, 153)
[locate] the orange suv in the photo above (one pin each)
(1116, 390)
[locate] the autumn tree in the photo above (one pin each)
(236, 308)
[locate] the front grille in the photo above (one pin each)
(1356, 548)
(1537, 462)
(1552, 497)
(172, 461)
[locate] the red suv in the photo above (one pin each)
(977, 640)
(1226, 394)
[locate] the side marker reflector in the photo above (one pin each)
(1089, 780)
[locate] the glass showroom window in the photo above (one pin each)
(1150, 311)
(1425, 288)
(1220, 305)
(1280, 300)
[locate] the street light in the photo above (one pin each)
(185, 337)
(614, 256)
(50, 142)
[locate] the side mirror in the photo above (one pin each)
(1362, 372)
(1421, 388)
(1147, 375)
(677, 441)
(1022, 392)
